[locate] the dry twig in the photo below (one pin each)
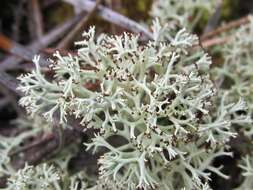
(226, 27)
(112, 17)
(65, 43)
(18, 15)
(12, 61)
(215, 41)
(214, 18)
(16, 49)
(35, 21)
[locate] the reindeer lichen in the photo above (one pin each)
(182, 13)
(156, 100)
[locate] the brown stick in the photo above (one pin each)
(50, 51)
(112, 17)
(215, 41)
(214, 18)
(16, 49)
(116, 5)
(19, 14)
(5, 43)
(12, 61)
(65, 43)
(35, 24)
(226, 27)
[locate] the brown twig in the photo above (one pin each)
(18, 15)
(214, 18)
(215, 41)
(16, 49)
(12, 61)
(116, 5)
(50, 51)
(112, 17)
(35, 21)
(65, 43)
(226, 27)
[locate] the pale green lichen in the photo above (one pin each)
(156, 99)
(247, 167)
(34, 178)
(235, 75)
(46, 177)
(182, 13)
(9, 143)
(234, 78)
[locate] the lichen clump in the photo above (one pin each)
(149, 105)
(183, 13)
